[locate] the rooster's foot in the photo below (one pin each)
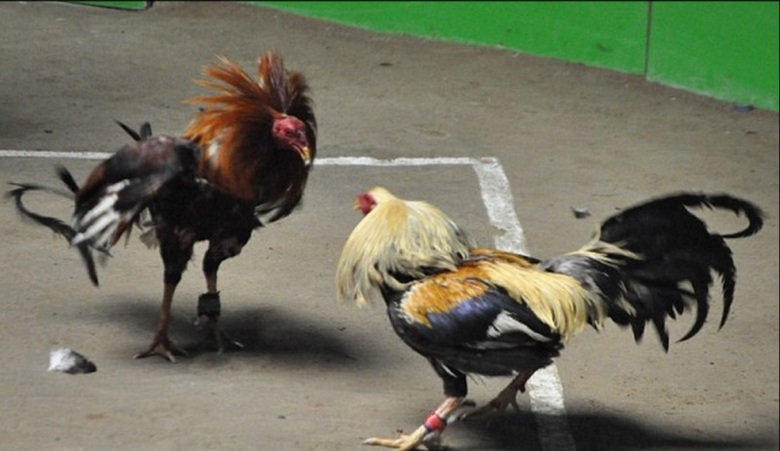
(500, 403)
(429, 434)
(507, 397)
(421, 436)
(209, 307)
(211, 326)
(162, 346)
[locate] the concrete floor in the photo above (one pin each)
(319, 375)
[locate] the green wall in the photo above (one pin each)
(611, 35)
(728, 50)
(725, 50)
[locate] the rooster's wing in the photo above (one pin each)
(119, 188)
(468, 321)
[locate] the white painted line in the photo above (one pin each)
(544, 388)
(369, 161)
(500, 204)
(54, 154)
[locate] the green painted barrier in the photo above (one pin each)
(725, 50)
(610, 35)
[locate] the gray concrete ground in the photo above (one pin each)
(319, 375)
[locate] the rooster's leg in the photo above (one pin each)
(427, 434)
(505, 398)
(209, 303)
(161, 344)
(208, 320)
(176, 251)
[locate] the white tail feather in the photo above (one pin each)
(99, 224)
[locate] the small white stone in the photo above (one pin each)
(66, 360)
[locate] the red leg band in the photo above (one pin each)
(434, 423)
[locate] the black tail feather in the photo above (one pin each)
(656, 260)
(659, 321)
(676, 248)
(701, 292)
(752, 212)
(144, 132)
(56, 225)
(67, 179)
(89, 261)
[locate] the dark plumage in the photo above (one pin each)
(246, 156)
(483, 311)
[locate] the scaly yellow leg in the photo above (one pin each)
(427, 434)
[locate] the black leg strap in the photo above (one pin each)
(209, 305)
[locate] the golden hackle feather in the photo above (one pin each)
(441, 293)
(222, 127)
(417, 240)
(558, 300)
(274, 78)
(605, 253)
(397, 237)
(234, 127)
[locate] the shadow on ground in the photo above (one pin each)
(596, 432)
(263, 331)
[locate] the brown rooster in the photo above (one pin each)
(245, 157)
(483, 311)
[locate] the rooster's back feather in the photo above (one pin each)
(475, 310)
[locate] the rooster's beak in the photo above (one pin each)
(305, 155)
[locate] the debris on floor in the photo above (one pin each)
(66, 360)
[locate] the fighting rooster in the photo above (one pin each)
(244, 157)
(483, 311)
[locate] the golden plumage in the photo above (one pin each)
(483, 311)
(397, 237)
(557, 300)
(415, 238)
